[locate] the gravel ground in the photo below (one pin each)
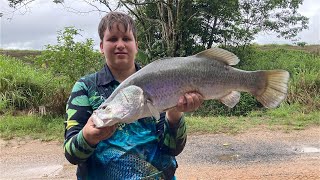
(258, 154)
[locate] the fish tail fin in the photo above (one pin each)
(275, 90)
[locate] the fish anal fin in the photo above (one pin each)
(220, 55)
(231, 99)
(155, 113)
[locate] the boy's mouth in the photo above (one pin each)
(120, 53)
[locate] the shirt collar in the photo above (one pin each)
(105, 76)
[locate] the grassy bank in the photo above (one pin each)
(285, 118)
(44, 128)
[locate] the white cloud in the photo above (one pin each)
(39, 25)
(310, 9)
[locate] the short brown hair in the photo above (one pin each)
(116, 17)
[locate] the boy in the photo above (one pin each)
(145, 148)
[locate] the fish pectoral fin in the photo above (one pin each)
(219, 54)
(155, 113)
(231, 99)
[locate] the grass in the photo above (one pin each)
(24, 87)
(285, 118)
(36, 127)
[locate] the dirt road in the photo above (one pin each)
(258, 154)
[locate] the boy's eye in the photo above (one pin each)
(126, 39)
(112, 39)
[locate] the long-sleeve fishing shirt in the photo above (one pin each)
(145, 148)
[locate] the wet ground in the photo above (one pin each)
(258, 154)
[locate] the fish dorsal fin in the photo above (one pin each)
(220, 55)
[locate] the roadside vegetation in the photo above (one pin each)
(34, 83)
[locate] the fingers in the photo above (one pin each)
(108, 131)
(94, 135)
(198, 100)
(190, 102)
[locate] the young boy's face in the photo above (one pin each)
(119, 47)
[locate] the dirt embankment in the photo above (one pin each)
(259, 154)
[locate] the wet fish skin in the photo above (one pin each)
(209, 72)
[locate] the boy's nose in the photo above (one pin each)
(120, 45)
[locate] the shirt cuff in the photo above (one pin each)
(85, 145)
(173, 129)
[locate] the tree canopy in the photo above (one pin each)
(184, 27)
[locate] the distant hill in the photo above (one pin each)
(314, 49)
(20, 54)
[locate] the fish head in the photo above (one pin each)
(125, 107)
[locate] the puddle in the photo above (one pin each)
(228, 157)
(307, 149)
(310, 150)
(33, 172)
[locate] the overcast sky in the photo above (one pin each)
(37, 26)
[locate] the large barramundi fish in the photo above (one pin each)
(158, 86)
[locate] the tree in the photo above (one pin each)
(183, 27)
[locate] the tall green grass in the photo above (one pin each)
(24, 87)
(304, 84)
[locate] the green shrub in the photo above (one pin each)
(70, 58)
(48, 81)
(302, 44)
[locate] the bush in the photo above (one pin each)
(25, 87)
(70, 58)
(301, 44)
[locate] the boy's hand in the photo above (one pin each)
(187, 103)
(94, 135)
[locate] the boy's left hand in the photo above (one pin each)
(189, 102)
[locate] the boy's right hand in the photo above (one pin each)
(94, 135)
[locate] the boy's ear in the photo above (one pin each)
(101, 47)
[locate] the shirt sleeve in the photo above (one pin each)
(174, 137)
(78, 111)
